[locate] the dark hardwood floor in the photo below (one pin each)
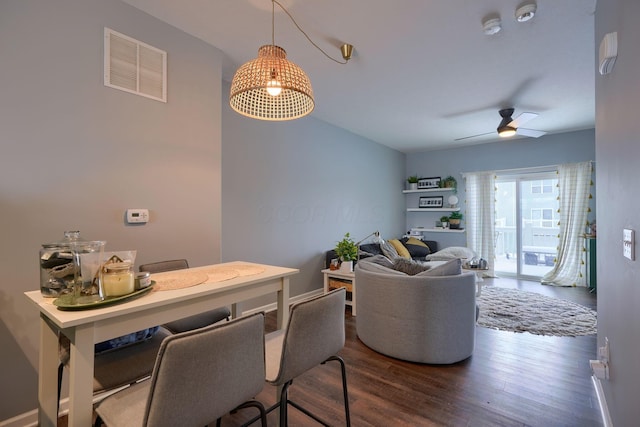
(512, 379)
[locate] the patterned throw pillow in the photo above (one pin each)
(400, 248)
(388, 250)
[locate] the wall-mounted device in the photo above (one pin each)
(137, 216)
(608, 53)
(628, 244)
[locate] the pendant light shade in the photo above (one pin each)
(271, 88)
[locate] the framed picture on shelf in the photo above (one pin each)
(430, 202)
(425, 183)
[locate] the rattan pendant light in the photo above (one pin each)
(270, 87)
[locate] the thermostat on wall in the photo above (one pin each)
(137, 216)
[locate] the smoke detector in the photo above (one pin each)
(525, 12)
(491, 26)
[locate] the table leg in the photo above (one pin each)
(81, 377)
(283, 304)
(48, 378)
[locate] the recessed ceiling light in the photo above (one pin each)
(525, 12)
(491, 26)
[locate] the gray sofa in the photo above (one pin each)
(427, 317)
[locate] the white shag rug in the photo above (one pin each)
(520, 311)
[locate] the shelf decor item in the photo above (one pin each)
(454, 220)
(347, 251)
(433, 182)
(430, 202)
(449, 182)
(444, 221)
(413, 182)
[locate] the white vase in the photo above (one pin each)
(346, 266)
(413, 186)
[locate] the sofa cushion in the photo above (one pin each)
(389, 250)
(416, 248)
(409, 267)
(370, 249)
(400, 248)
(449, 268)
(453, 252)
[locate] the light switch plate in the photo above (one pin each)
(628, 244)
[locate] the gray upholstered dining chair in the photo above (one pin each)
(314, 335)
(191, 322)
(199, 376)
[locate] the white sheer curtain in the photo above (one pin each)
(481, 215)
(574, 182)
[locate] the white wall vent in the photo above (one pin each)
(134, 67)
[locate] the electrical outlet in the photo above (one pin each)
(628, 244)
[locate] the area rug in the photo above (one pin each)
(520, 311)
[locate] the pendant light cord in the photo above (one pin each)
(273, 3)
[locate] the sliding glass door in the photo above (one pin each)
(526, 224)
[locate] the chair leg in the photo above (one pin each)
(256, 404)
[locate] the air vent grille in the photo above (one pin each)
(134, 67)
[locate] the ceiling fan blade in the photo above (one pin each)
(474, 136)
(522, 119)
(530, 132)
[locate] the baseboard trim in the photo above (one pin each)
(30, 418)
(602, 401)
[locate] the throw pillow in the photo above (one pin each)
(416, 248)
(449, 268)
(409, 267)
(400, 248)
(380, 260)
(388, 250)
(453, 252)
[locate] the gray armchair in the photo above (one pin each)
(425, 318)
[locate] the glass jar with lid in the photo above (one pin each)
(70, 266)
(117, 279)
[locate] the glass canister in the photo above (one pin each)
(117, 279)
(70, 266)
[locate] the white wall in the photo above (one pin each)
(618, 174)
(75, 154)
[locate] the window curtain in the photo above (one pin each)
(480, 216)
(574, 182)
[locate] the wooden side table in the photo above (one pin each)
(334, 279)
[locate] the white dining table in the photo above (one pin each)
(84, 328)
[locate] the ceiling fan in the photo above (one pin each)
(509, 127)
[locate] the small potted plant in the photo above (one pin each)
(413, 182)
(347, 251)
(454, 220)
(450, 182)
(444, 221)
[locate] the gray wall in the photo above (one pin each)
(570, 147)
(618, 151)
(76, 154)
(291, 190)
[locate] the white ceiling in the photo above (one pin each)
(423, 73)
